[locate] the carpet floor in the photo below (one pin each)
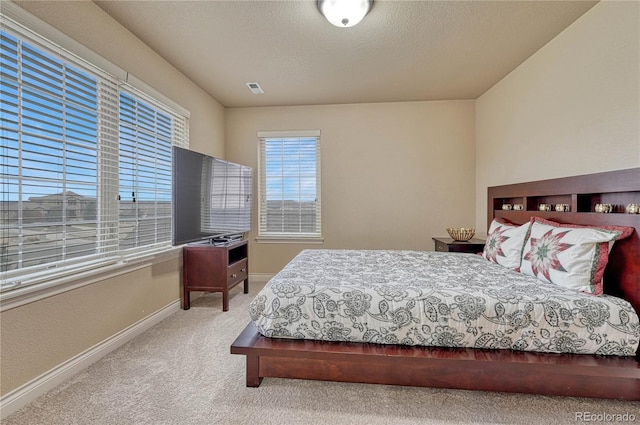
(181, 372)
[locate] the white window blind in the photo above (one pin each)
(226, 189)
(145, 172)
(72, 138)
(51, 191)
(289, 185)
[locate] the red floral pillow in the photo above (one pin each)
(504, 243)
(569, 255)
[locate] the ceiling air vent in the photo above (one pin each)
(255, 88)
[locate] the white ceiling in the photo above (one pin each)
(401, 51)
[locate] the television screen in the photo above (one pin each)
(211, 197)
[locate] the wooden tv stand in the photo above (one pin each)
(212, 268)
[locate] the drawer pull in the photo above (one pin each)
(243, 270)
(234, 275)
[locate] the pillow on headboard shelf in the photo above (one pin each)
(504, 243)
(569, 255)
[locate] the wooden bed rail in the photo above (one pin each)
(464, 368)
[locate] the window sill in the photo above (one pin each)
(312, 240)
(58, 285)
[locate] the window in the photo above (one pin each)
(145, 174)
(85, 163)
(289, 186)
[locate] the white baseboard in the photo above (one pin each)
(28, 392)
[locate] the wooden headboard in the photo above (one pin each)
(582, 193)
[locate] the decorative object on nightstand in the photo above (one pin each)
(461, 233)
(473, 245)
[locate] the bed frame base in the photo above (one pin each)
(469, 369)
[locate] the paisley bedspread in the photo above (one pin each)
(437, 299)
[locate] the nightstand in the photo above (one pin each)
(212, 268)
(449, 245)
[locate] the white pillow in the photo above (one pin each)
(505, 242)
(573, 257)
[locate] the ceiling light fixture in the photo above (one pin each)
(344, 13)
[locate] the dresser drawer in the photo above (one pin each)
(237, 272)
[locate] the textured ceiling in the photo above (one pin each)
(401, 51)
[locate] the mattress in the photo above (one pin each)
(437, 299)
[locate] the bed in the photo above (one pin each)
(519, 363)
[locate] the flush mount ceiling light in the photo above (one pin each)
(344, 13)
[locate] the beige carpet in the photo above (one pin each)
(180, 372)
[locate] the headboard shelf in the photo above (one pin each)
(582, 218)
(587, 201)
(618, 188)
(582, 193)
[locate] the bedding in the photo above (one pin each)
(505, 242)
(570, 255)
(437, 299)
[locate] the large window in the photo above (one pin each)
(85, 163)
(289, 185)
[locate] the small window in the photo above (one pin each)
(289, 186)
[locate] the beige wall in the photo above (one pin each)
(44, 334)
(572, 108)
(39, 336)
(393, 174)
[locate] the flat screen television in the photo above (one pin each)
(211, 197)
